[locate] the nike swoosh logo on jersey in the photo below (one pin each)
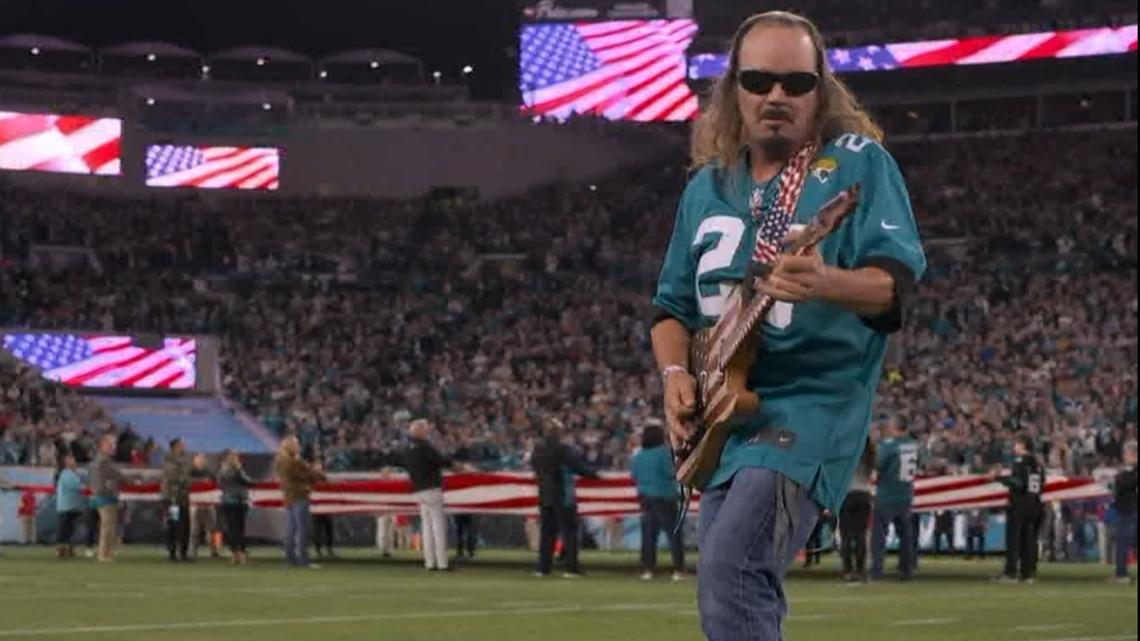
(887, 226)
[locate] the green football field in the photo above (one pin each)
(497, 598)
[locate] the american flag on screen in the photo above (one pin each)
(986, 49)
(631, 69)
(979, 50)
(212, 167)
(107, 361)
(64, 144)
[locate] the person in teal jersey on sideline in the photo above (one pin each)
(780, 107)
(896, 465)
(659, 496)
(70, 504)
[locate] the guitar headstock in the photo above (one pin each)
(829, 217)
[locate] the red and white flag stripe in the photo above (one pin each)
(63, 144)
(614, 494)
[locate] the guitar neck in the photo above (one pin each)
(758, 306)
(756, 310)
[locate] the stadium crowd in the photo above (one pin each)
(342, 319)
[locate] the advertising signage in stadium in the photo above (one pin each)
(568, 10)
(100, 361)
(60, 143)
(202, 167)
(622, 70)
(980, 50)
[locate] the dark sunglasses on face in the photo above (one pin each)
(762, 83)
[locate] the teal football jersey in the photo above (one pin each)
(897, 465)
(820, 364)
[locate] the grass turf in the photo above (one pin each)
(496, 598)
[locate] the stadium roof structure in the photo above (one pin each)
(42, 42)
(144, 48)
(365, 56)
(252, 53)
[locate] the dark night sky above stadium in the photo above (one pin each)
(446, 34)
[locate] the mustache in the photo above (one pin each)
(778, 112)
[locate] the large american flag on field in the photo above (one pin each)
(107, 361)
(613, 494)
(212, 167)
(64, 144)
(629, 69)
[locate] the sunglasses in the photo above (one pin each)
(762, 83)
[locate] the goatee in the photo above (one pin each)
(777, 148)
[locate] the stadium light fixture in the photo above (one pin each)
(323, 74)
(261, 62)
(374, 64)
(150, 57)
(205, 69)
(468, 70)
(266, 106)
(35, 51)
(150, 102)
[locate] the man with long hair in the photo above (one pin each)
(297, 479)
(780, 137)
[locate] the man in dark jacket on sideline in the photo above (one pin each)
(176, 499)
(555, 465)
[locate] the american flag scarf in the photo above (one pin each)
(774, 215)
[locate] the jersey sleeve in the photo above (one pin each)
(676, 294)
(885, 234)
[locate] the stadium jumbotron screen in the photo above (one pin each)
(622, 70)
(56, 143)
(206, 167)
(107, 361)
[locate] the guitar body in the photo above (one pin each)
(722, 397)
(722, 356)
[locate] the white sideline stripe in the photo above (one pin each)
(1118, 637)
(1045, 628)
(248, 623)
(926, 622)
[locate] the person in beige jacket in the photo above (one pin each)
(296, 478)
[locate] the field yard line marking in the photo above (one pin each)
(926, 622)
(240, 623)
(96, 595)
(809, 617)
(1045, 628)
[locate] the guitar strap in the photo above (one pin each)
(774, 213)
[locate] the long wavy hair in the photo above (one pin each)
(719, 134)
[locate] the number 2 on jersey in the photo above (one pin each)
(729, 233)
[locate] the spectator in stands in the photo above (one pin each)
(176, 500)
(105, 481)
(297, 479)
(234, 507)
(70, 505)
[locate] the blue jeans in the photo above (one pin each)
(297, 533)
(885, 515)
(1125, 541)
(740, 578)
